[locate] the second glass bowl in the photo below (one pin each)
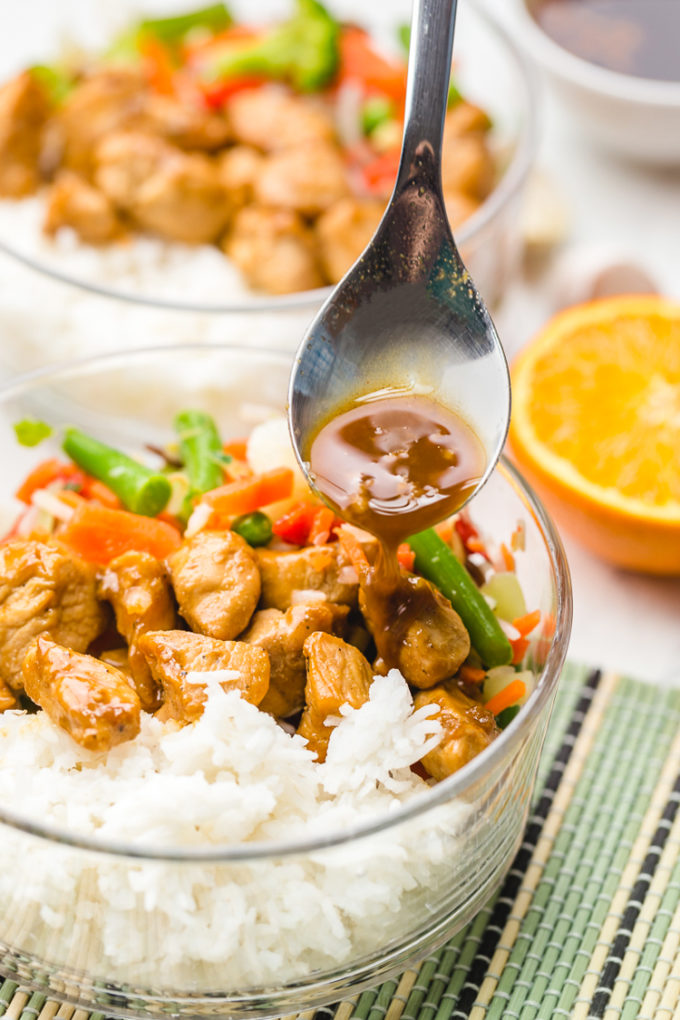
(122, 929)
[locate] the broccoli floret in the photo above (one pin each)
(302, 51)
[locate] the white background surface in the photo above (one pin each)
(621, 621)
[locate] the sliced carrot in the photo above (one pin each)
(445, 531)
(508, 558)
(99, 534)
(160, 69)
(406, 556)
(322, 524)
(236, 448)
(510, 695)
(471, 675)
(525, 624)
(248, 494)
(93, 489)
(48, 471)
(361, 62)
(352, 548)
(519, 647)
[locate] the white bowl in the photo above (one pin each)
(635, 117)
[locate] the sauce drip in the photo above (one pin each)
(637, 37)
(395, 464)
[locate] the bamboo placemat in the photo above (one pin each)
(587, 923)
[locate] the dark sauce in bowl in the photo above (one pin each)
(635, 37)
(395, 464)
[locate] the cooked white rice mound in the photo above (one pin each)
(234, 776)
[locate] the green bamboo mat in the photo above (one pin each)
(587, 923)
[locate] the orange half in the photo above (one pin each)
(596, 427)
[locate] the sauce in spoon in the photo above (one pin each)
(394, 464)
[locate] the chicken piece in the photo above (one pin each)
(467, 166)
(271, 119)
(119, 659)
(274, 250)
(174, 194)
(283, 635)
(7, 698)
(320, 568)
(217, 583)
(171, 654)
(415, 629)
(468, 729)
(74, 203)
(337, 674)
(109, 100)
(89, 699)
(44, 589)
(238, 167)
(306, 179)
(137, 587)
(186, 125)
(464, 118)
(24, 109)
(344, 230)
(459, 207)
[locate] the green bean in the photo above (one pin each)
(139, 489)
(201, 450)
(255, 527)
(436, 561)
(505, 717)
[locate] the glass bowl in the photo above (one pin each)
(111, 927)
(75, 287)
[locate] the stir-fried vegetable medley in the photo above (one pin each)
(121, 583)
(278, 143)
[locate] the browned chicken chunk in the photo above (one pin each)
(467, 166)
(459, 207)
(185, 124)
(74, 203)
(24, 109)
(217, 583)
(315, 568)
(109, 100)
(465, 117)
(238, 167)
(337, 674)
(283, 635)
(7, 698)
(172, 654)
(89, 699)
(137, 587)
(44, 589)
(175, 194)
(306, 179)
(274, 250)
(468, 729)
(429, 646)
(344, 230)
(272, 119)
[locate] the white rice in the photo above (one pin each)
(235, 776)
(44, 320)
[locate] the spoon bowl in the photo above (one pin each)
(407, 315)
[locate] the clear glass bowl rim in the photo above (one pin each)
(456, 785)
(509, 184)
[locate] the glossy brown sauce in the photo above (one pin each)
(637, 37)
(395, 464)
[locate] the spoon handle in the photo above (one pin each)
(427, 90)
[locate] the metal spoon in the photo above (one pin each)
(407, 314)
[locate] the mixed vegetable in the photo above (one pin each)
(277, 143)
(121, 583)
